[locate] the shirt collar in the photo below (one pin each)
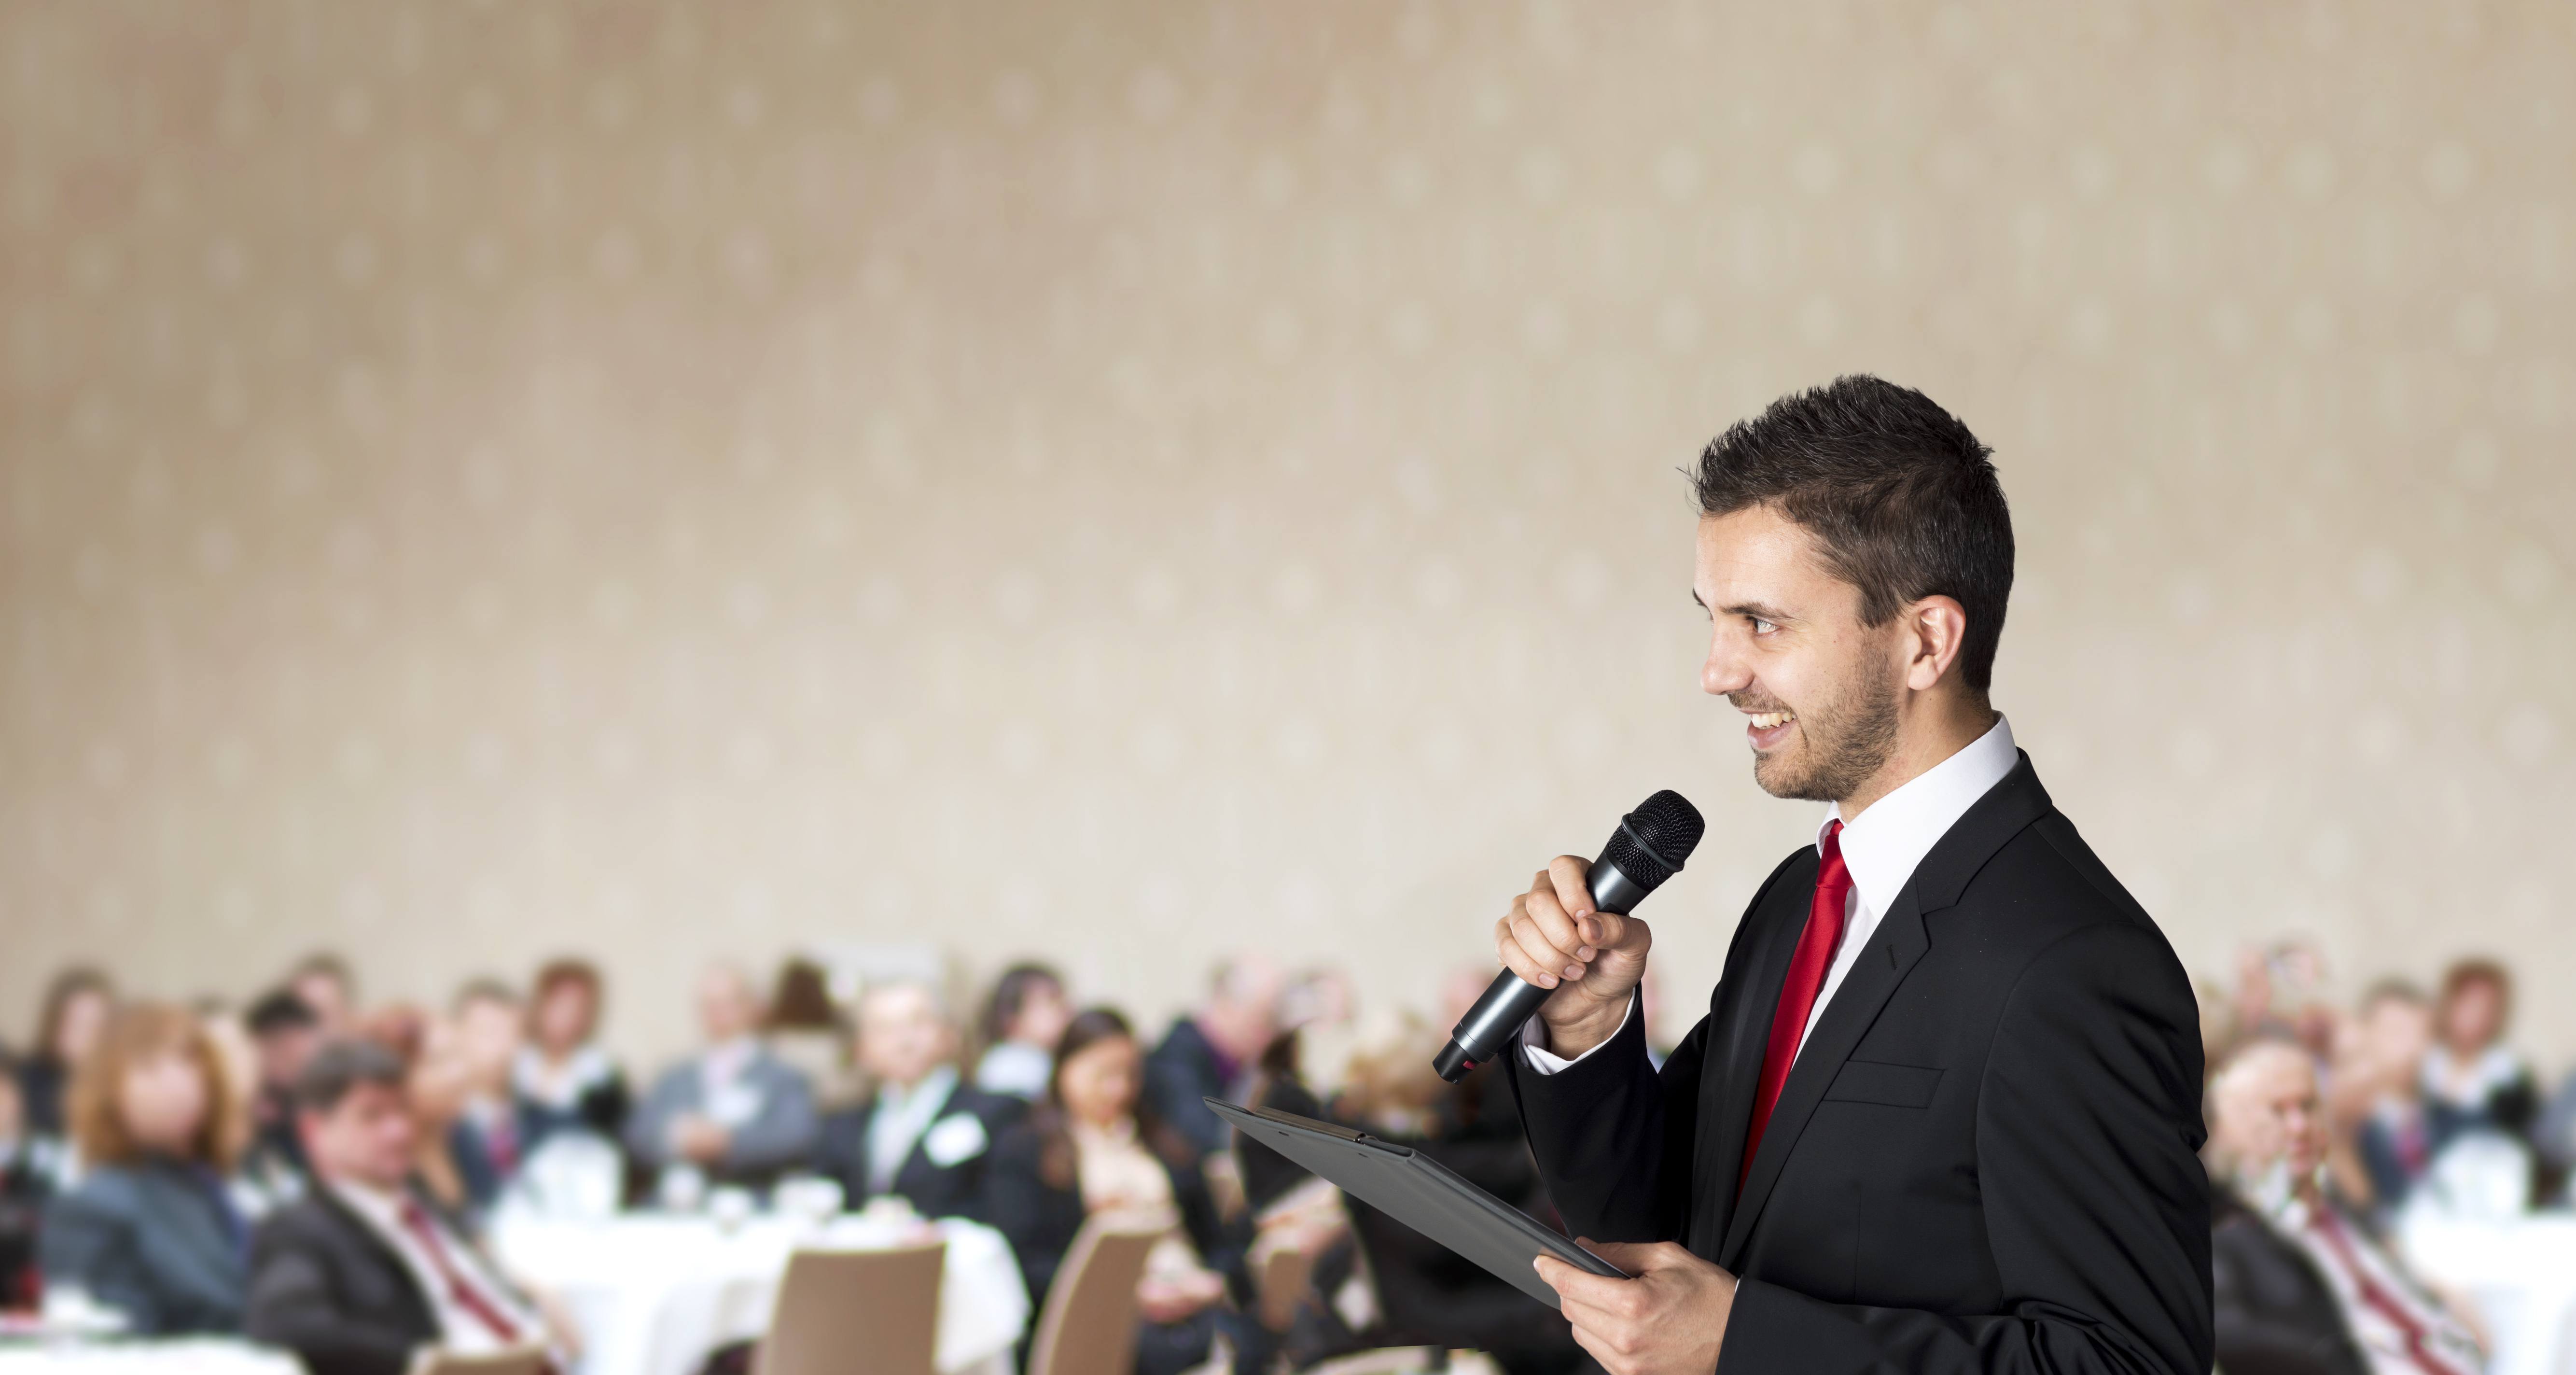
(934, 1088)
(1883, 848)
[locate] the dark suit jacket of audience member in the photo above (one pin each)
(955, 1189)
(25, 1188)
(157, 1240)
(601, 1107)
(1040, 1218)
(324, 1286)
(2275, 1313)
(779, 1137)
(42, 1082)
(1180, 1074)
(1985, 1156)
(483, 1173)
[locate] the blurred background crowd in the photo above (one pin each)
(207, 1167)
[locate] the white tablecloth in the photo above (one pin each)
(654, 1294)
(2522, 1276)
(198, 1357)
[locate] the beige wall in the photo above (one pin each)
(1126, 480)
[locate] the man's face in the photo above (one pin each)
(283, 1052)
(368, 1137)
(726, 1008)
(2267, 1111)
(901, 1034)
(1787, 648)
(487, 1034)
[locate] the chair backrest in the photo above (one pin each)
(1089, 1324)
(518, 1360)
(855, 1313)
(1285, 1276)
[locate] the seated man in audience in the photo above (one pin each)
(735, 1113)
(484, 1138)
(284, 1033)
(2300, 1286)
(923, 1135)
(327, 985)
(361, 1274)
(1212, 1052)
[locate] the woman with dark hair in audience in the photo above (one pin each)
(563, 1079)
(76, 1009)
(1093, 1146)
(2472, 1080)
(1022, 1021)
(150, 1229)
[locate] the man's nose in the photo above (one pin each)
(1722, 672)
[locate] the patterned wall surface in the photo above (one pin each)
(1124, 480)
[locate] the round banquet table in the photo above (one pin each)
(654, 1293)
(2520, 1273)
(191, 1356)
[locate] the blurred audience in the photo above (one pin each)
(76, 1009)
(30, 1168)
(284, 1033)
(923, 1135)
(483, 1139)
(1023, 1018)
(1212, 1052)
(561, 1078)
(1095, 1144)
(329, 986)
(2301, 1285)
(150, 1229)
(2379, 1096)
(735, 1112)
(363, 1274)
(2472, 1080)
(804, 1027)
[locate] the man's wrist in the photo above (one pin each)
(1576, 1036)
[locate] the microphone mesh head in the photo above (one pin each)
(1653, 841)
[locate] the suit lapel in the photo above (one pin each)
(1728, 1083)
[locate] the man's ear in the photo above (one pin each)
(1939, 626)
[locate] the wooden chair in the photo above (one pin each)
(855, 1313)
(518, 1360)
(1282, 1282)
(1089, 1325)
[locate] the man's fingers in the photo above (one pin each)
(1527, 968)
(1569, 875)
(1580, 1288)
(1638, 1257)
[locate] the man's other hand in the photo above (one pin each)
(1669, 1320)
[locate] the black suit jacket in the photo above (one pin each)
(955, 1189)
(325, 1287)
(2276, 1315)
(1984, 1158)
(1181, 1075)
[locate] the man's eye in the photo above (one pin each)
(1761, 626)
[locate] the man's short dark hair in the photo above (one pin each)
(1901, 498)
(341, 1067)
(279, 1010)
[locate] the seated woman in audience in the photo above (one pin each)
(150, 1229)
(1023, 1019)
(1093, 1146)
(922, 1136)
(76, 1009)
(2472, 1080)
(562, 1079)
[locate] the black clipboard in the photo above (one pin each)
(1421, 1193)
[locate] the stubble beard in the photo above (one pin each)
(1848, 740)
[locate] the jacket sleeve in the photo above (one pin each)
(291, 1306)
(90, 1240)
(782, 1135)
(1612, 1137)
(2088, 1124)
(648, 1128)
(1022, 1208)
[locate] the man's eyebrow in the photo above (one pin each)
(1759, 611)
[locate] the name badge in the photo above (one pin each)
(954, 1139)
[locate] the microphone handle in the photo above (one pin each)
(1490, 1026)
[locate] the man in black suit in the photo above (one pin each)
(924, 1134)
(362, 1272)
(1942, 1113)
(1213, 1051)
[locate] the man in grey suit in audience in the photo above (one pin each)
(735, 1111)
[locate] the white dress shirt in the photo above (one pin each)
(1881, 849)
(459, 1330)
(901, 1116)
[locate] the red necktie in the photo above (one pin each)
(2389, 1306)
(1815, 955)
(459, 1289)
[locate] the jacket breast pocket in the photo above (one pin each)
(1874, 1081)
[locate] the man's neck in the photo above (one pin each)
(1937, 731)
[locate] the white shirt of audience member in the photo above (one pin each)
(905, 1116)
(1882, 850)
(729, 1100)
(559, 1086)
(1016, 1068)
(459, 1329)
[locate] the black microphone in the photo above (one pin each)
(1648, 848)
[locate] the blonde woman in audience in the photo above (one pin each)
(76, 1008)
(150, 1229)
(1094, 1145)
(563, 1079)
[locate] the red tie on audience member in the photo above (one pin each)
(462, 1290)
(1815, 955)
(2389, 1306)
